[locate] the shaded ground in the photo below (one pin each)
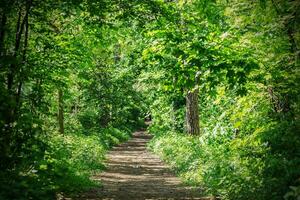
(135, 173)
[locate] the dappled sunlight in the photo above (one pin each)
(215, 83)
(135, 173)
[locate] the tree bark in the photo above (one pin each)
(19, 32)
(2, 32)
(192, 112)
(20, 85)
(60, 112)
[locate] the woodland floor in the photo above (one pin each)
(135, 173)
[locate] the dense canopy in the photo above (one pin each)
(218, 78)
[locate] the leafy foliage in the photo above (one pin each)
(60, 75)
(241, 154)
(77, 76)
(248, 78)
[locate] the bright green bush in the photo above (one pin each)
(242, 152)
(67, 163)
(239, 169)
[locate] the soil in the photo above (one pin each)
(134, 173)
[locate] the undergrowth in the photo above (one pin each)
(64, 163)
(242, 152)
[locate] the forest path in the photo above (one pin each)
(135, 173)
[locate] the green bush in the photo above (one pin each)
(67, 163)
(242, 152)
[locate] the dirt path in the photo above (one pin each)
(135, 173)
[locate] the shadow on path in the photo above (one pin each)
(135, 173)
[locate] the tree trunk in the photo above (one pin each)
(60, 111)
(20, 84)
(192, 112)
(2, 32)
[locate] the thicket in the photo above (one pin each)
(247, 57)
(242, 153)
(65, 96)
(219, 77)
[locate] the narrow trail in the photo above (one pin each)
(135, 173)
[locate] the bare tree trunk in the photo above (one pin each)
(2, 32)
(60, 111)
(15, 93)
(19, 90)
(192, 112)
(11, 71)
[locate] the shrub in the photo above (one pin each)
(66, 164)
